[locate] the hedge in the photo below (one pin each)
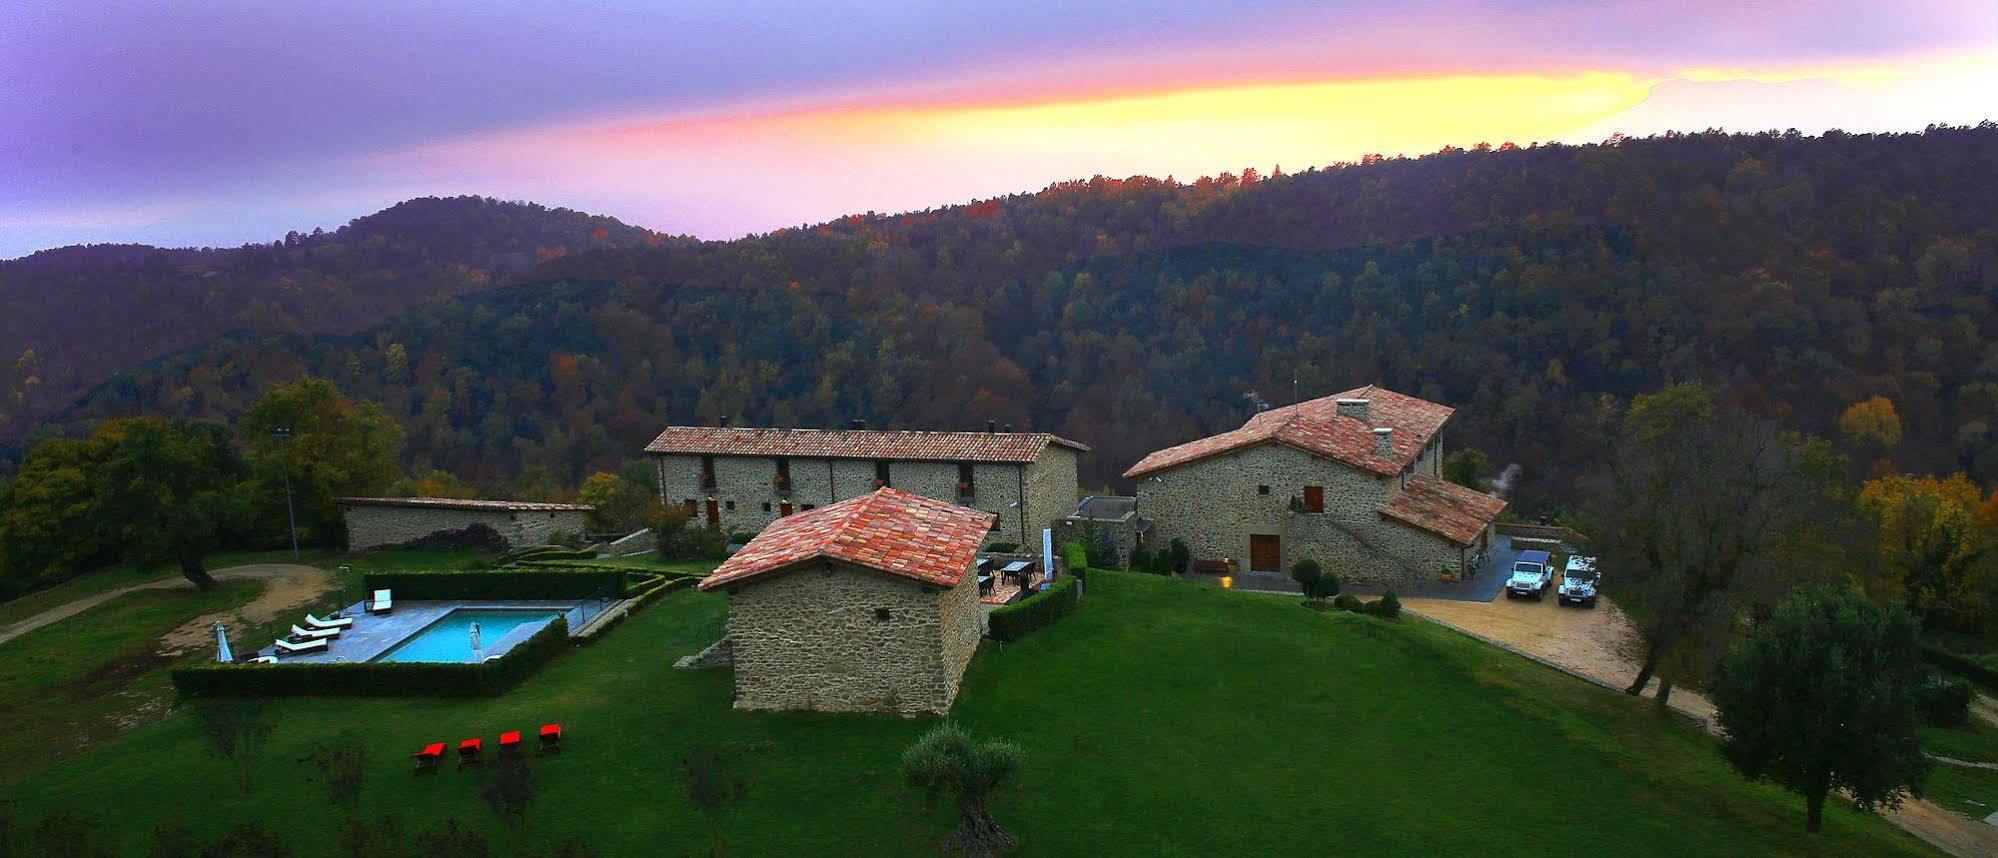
(1971, 669)
(1015, 621)
(550, 583)
(376, 678)
(638, 603)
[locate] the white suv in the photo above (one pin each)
(1532, 571)
(1578, 582)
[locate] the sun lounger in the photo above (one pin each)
(313, 622)
(551, 737)
(382, 603)
(264, 659)
(285, 647)
(301, 635)
(426, 759)
(510, 742)
(468, 751)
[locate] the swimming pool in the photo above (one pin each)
(449, 639)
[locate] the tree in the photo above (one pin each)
(171, 492)
(336, 448)
(1467, 467)
(1182, 557)
(622, 506)
(1931, 546)
(948, 760)
(49, 518)
(1873, 422)
(1702, 514)
(1823, 697)
(434, 483)
(1307, 574)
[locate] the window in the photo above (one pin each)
(996, 518)
(729, 505)
(881, 472)
(1314, 498)
(883, 615)
(809, 506)
(689, 504)
(707, 473)
(964, 485)
(783, 481)
(1262, 490)
(766, 506)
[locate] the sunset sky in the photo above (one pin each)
(211, 123)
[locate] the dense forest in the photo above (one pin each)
(1796, 275)
(71, 318)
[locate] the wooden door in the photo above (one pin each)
(1265, 553)
(714, 515)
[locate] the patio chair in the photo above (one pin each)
(468, 752)
(299, 635)
(510, 742)
(313, 622)
(285, 647)
(551, 738)
(382, 603)
(426, 759)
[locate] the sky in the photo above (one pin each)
(217, 123)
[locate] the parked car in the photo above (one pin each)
(1578, 582)
(1532, 571)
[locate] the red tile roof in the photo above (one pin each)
(889, 530)
(1443, 508)
(858, 443)
(467, 504)
(1316, 426)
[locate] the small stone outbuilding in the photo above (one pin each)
(866, 605)
(386, 522)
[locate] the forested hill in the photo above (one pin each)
(1799, 274)
(72, 317)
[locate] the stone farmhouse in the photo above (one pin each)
(1352, 481)
(743, 479)
(382, 522)
(866, 605)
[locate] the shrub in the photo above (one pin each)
(1972, 669)
(474, 537)
(1015, 621)
(693, 543)
(1141, 559)
(1944, 700)
(376, 678)
(551, 583)
(1075, 557)
(1003, 547)
(1181, 556)
(1325, 587)
(1349, 602)
(1306, 573)
(1386, 607)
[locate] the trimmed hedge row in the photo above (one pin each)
(638, 603)
(550, 583)
(537, 563)
(375, 678)
(1015, 621)
(1970, 669)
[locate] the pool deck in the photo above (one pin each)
(373, 634)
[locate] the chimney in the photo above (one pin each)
(1384, 441)
(856, 423)
(1354, 408)
(724, 422)
(991, 426)
(1009, 427)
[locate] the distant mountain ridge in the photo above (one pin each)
(72, 317)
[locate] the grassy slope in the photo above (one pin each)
(1163, 718)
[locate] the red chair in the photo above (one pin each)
(426, 759)
(551, 737)
(468, 751)
(510, 742)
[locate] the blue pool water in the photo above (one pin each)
(450, 638)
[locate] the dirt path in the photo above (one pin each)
(291, 585)
(1591, 642)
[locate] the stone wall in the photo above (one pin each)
(748, 499)
(1216, 504)
(371, 527)
(816, 639)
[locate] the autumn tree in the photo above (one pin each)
(1872, 422)
(1821, 698)
(1931, 546)
(1701, 514)
(622, 505)
(335, 448)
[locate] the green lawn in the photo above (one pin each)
(111, 578)
(1162, 718)
(1969, 791)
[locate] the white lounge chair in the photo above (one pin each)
(313, 634)
(314, 622)
(285, 647)
(382, 603)
(264, 659)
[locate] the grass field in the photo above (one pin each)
(1162, 718)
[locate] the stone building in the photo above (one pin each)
(742, 479)
(380, 522)
(867, 605)
(1351, 480)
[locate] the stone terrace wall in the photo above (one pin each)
(371, 527)
(812, 639)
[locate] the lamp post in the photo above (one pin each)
(283, 434)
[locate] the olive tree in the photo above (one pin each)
(948, 760)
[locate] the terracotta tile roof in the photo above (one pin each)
(888, 530)
(858, 443)
(1316, 426)
(467, 504)
(1443, 508)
